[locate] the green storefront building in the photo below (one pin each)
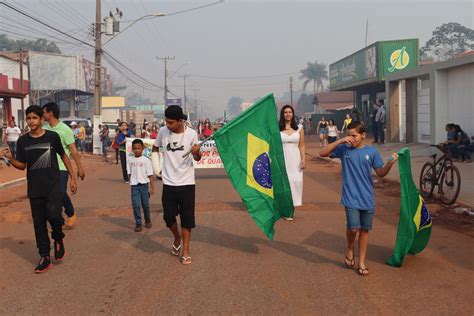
(364, 71)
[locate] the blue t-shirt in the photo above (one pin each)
(357, 165)
(451, 135)
(121, 136)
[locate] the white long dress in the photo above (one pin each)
(293, 165)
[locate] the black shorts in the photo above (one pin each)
(179, 200)
(332, 139)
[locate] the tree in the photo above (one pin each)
(305, 104)
(233, 106)
(447, 41)
(115, 87)
(39, 45)
(315, 72)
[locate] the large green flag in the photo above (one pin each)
(252, 153)
(414, 226)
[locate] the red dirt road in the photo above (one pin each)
(111, 269)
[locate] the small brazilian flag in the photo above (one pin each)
(252, 153)
(414, 226)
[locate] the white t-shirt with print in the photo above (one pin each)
(139, 169)
(177, 171)
(13, 133)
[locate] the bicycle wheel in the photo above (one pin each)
(427, 180)
(450, 185)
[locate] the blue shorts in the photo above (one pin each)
(359, 219)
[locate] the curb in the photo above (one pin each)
(12, 183)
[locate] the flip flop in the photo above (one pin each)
(350, 262)
(186, 260)
(175, 250)
(363, 271)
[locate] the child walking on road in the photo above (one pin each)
(140, 173)
(36, 152)
(177, 142)
(358, 160)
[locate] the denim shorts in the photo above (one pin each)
(359, 219)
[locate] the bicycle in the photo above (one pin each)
(442, 173)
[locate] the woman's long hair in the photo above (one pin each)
(294, 125)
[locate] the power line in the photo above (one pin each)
(45, 24)
(111, 59)
(178, 12)
(244, 77)
(78, 14)
(31, 12)
(30, 29)
(196, 8)
(248, 85)
(131, 71)
(35, 38)
(63, 14)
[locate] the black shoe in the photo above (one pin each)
(148, 224)
(44, 265)
(138, 228)
(59, 251)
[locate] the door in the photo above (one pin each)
(423, 113)
(365, 109)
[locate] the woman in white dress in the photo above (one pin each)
(292, 137)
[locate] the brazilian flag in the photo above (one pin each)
(252, 153)
(414, 226)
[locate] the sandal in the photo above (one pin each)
(363, 271)
(350, 262)
(175, 250)
(186, 260)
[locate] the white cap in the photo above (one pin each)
(73, 123)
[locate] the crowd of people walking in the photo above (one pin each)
(46, 148)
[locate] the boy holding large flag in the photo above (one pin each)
(358, 160)
(178, 198)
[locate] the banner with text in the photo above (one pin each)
(210, 156)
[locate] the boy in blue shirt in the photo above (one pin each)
(357, 161)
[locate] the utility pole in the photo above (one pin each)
(184, 92)
(97, 120)
(196, 103)
(98, 55)
(23, 118)
(291, 91)
(366, 32)
(165, 59)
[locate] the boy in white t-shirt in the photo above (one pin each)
(140, 173)
(177, 141)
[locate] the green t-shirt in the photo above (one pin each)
(67, 138)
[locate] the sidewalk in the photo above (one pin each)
(10, 176)
(419, 154)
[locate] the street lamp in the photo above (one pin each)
(153, 15)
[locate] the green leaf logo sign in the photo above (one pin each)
(399, 59)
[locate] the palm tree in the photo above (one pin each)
(315, 72)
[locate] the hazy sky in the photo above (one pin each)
(229, 43)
